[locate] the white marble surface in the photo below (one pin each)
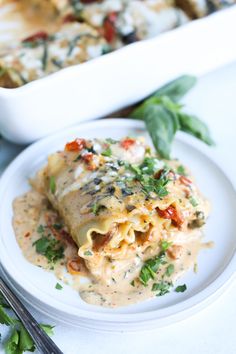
(212, 331)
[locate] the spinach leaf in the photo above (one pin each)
(194, 126)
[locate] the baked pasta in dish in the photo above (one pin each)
(114, 213)
(110, 23)
(42, 53)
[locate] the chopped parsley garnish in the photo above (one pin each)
(40, 229)
(96, 208)
(148, 182)
(181, 288)
(52, 184)
(193, 202)
(162, 288)
(58, 286)
(181, 170)
(107, 152)
(19, 339)
(50, 248)
(88, 253)
(165, 245)
(57, 226)
(132, 283)
(111, 141)
(150, 268)
(170, 270)
(150, 165)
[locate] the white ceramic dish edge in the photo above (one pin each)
(116, 80)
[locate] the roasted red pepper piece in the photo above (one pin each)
(184, 180)
(87, 157)
(172, 214)
(75, 145)
(109, 27)
(41, 35)
(127, 143)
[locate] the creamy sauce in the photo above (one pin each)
(32, 210)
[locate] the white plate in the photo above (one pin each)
(216, 266)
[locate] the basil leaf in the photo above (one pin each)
(162, 125)
(194, 126)
(177, 88)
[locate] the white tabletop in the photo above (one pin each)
(212, 331)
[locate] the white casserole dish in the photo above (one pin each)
(96, 88)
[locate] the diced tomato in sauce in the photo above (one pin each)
(127, 143)
(69, 18)
(87, 158)
(76, 145)
(184, 180)
(75, 266)
(172, 214)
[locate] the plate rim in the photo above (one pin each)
(188, 305)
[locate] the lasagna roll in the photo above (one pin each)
(119, 200)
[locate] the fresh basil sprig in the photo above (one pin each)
(163, 116)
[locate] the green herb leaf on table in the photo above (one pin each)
(26, 343)
(48, 329)
(4, 318)
(19, 339)
(164, 117)
(11, 345)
